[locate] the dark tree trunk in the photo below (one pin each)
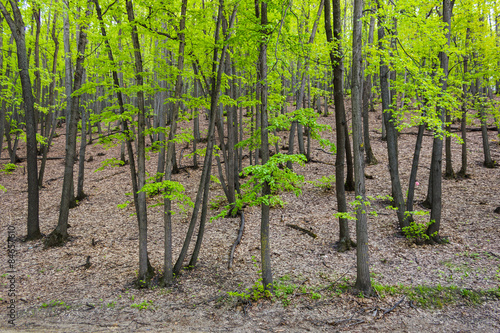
(17, 28)
(363, 280)
(167, 216)
(80, 194)
(207, 163)
(367, 100)
(392, 144)
(52, 115)
(60, 233)
(265, 246)
(437, 145)
(463, 123)
(144, 274)
(345, 242)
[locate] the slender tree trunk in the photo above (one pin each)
(167, 216)
(367, 97)
(143, 279)
(363, 281)
(207, 163)
(17, 28)
(265, 246)
(345, 243)
(392, 144)
(80, 194)
(2, 107)
(414, 169)
(60, 233)
(463, 170)
(437, 145)
(488, 162)
(52, 115)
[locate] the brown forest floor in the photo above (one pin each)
(100, 298)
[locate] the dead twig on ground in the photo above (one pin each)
(296, 227)
(394, 306)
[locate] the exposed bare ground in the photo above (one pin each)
(101, 298)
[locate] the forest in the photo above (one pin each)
(266, 165)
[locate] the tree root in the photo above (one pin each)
(345, 244)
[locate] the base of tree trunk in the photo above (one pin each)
(345, 244)
(449, 174)
(436, 240)
(367, 292)
(490, 165)
(146, 283)
(56, 238)
(73, 203)
(349, 186)
(34, 236)
(462, 175)
(371, 160)
(80, 197)
(426, 204)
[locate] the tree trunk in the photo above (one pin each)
(463, 123)
(60, 233)
(265, 248)
(437, 145)
(17, 28)
(345, 243)
(207, 163)
(367, 99)
(167, 216)
(363, 281)
(2, 107)
(52, 115)
(144, 276)
(392, 144)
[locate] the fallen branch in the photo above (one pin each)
(296, 227)
(324, 151)
(237, 241)
(395, 305)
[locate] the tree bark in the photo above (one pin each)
(363, 281)
(437, 145)
(265, 246)
(345, 243)
(144, 276)
(392, 144)
(17, 28)
(367, 100)
(60, 233)
(167, 216)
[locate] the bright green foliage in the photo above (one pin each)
(8, 168)
(283, 292)
(326, 183)
(110, 162)
(276, 174)
(145, 305)
(416, 231)
(174, 191)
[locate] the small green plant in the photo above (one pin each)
(8, 168)
(417, 231)
(143, 306)
(325, 183)
(53, 304)
(111, 304)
